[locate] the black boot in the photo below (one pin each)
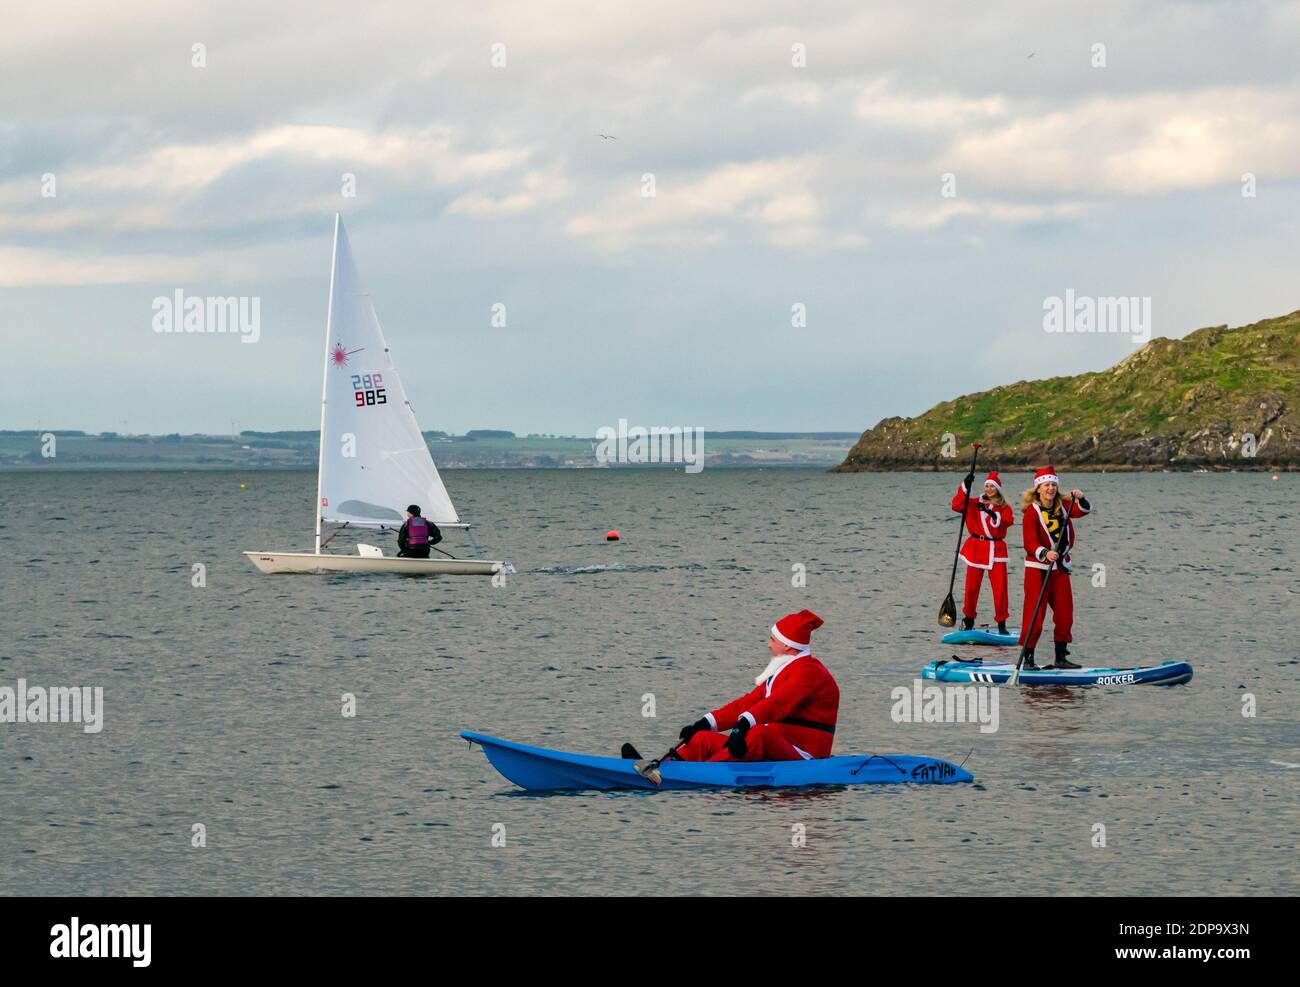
(1002, 627)
(1028, 664)
(1061, 660)
(967, 623)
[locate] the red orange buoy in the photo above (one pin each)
(611, 536)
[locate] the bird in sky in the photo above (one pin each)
(608, 137)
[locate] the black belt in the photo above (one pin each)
(794, 721)
(982, 538)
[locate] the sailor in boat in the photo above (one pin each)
(417, 535)
(789, 716)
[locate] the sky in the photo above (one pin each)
(802, 263)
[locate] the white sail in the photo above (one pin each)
(374, 461)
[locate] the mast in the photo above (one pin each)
(324, 377)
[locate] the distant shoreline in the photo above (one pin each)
(27, 470)
(27, 450)
(9, 468)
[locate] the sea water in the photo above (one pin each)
(227, 763)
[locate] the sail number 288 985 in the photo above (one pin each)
(368, 389)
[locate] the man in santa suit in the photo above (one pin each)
(790, 715)
(988, 519)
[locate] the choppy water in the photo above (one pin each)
(223, 703)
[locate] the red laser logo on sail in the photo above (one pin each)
(339, 354)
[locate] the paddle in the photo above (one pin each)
(1042, 592)
(948, 610)
(649, 770)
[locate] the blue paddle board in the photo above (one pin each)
(984, 673)
(982, 635)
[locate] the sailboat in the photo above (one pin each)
(373, 459)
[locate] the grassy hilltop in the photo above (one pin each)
(1174, 404)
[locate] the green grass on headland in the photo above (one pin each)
(1219, 398)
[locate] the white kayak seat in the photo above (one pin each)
(370, 551)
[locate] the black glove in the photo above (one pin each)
(987, 509)
(969, 481)
(736, 742)
(690, 731)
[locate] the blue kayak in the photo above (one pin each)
(982, 635)
(983, 673)
(538, 769)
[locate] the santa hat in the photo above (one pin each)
(1046, 475)
(794, 631)
(994, 479)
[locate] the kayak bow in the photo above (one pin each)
(538, 769)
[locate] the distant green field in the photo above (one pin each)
(298, 450)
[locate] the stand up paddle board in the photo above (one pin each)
(983, 673)
(538, 769)
(982, 635)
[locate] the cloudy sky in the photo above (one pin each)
(797, 154)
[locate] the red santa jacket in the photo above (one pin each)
(801, 702)
(988, 528)
(1041, 532)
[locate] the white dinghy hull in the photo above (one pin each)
(276, 563)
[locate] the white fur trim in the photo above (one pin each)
(1047, 478)
(803, 649)
(747, 715)
(712, 722)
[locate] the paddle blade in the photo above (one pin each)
(948, 612)
(1015, 676)
(649, 770)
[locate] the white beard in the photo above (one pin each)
(777, 664)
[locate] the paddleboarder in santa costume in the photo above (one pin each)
(790, 715)
(988, 520)
(1044, 512)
